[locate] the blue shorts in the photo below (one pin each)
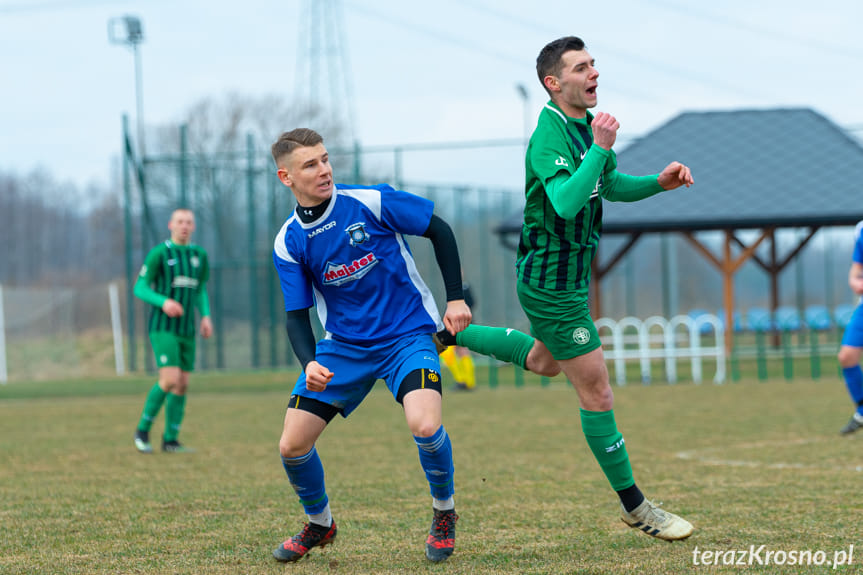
(356, 368)
(853, 335)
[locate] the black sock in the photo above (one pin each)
(631, 497)
(446, 337)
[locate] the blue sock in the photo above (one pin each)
(436, 461)
(306, 474)
(854, 382)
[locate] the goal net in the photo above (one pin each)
(58, 333)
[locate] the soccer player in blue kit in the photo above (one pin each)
(343, 251)
(852, 340)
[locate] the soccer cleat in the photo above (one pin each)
(142, 441)
(855, 423)
(175, 447)
(657, 523)
(441, 540)
(311, 536)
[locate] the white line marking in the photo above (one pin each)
(704, 455)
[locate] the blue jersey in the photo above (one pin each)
(354, 265)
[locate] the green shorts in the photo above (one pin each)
(172, 350)
(559, 319)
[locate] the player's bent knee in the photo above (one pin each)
(290, 448)
(420, 394)
(605, 398)
(541, 362)
(425, 428)
(169, 386)
(170, 379)
(595, 396)
(301, 431)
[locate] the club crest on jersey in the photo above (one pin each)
(195, 261)
(338, 274)
(357, 232)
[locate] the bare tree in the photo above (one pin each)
(43, 230)
(227, 153)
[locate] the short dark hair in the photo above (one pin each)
(548, 62)
(290, 141)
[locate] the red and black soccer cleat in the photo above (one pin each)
(311, 536)
(441, 540)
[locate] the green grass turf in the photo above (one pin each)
(747, 463)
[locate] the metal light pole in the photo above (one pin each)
(127, 30)
(525, 99)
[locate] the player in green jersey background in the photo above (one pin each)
(173, 281)
(570, 169)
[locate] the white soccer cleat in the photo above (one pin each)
(142, 441)
(649, 518)
(855, 423)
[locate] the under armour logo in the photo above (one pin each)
(308, 212)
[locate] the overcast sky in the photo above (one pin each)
(442, 71)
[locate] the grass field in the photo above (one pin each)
(748, 463)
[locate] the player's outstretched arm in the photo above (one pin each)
(675, 175)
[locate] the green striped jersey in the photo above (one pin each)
(556, 253)
(177, 272)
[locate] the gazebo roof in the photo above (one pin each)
(752, 169)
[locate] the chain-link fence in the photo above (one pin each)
(239, 206)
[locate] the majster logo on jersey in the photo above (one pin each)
(337, 274)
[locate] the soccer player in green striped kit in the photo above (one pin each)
(570, 169)
(173, 280)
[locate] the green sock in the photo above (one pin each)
(154, 402)
(608, 447)
(175, 409)
(500, 343)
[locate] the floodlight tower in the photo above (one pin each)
(525, 101)
(127, 30)
(323, 79)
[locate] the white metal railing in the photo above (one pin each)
(659, 338)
